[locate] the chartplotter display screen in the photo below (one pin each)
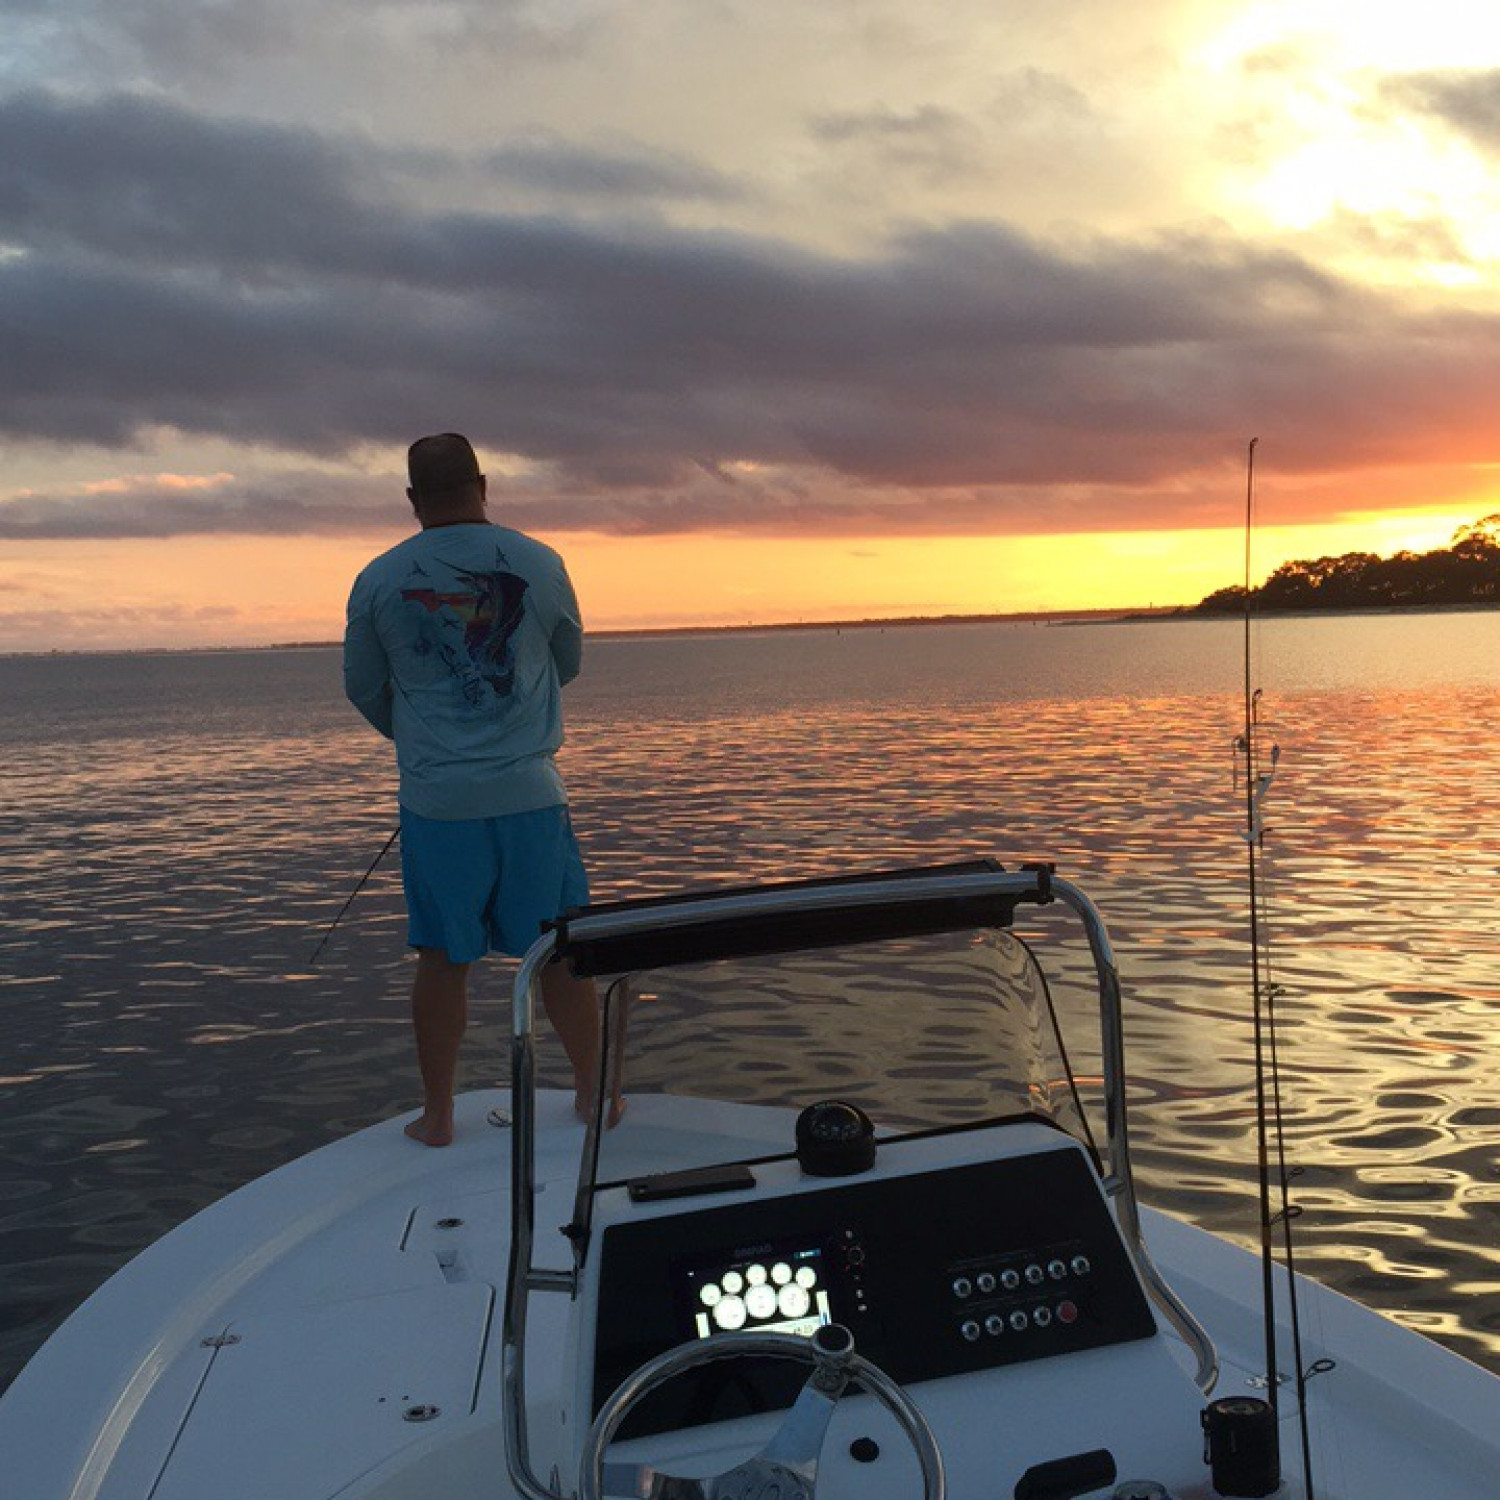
(772, 1289)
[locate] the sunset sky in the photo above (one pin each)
(760, 310)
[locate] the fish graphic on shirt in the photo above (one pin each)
(488, 613)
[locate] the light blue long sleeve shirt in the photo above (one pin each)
(457, 644)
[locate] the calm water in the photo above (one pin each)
(179, 830)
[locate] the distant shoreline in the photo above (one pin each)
(1023, 617)
(1314, 612)
(1149, 615)
(1035, 617)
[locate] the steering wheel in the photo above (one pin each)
(787, 1467)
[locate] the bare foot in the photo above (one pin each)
(431, 1130)
(584, 1108)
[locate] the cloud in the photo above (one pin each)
(748, 501)
(940, 145)
(639, 175)
(164, 505)
(207, 43)
(248, 282)
(1467, 101)
(1423, 240)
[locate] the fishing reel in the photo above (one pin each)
(1240, 1446)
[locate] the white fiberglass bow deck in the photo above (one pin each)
(960, 1292)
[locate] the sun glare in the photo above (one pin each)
(1369, 168)
(1380, 34)
(1337, 153)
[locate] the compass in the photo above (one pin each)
(835, 1139)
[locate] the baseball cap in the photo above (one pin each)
(443, 461)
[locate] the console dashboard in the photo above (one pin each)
(994, 1259)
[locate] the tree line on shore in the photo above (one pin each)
(1466, 572)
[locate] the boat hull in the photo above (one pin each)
(333, 1328)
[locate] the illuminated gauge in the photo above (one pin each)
(710, 1294)
(781, 1273)
(760, 1301)
(794, 1301)
(806, 1276)
(730, 1314)
(756, 1275)
(734, 1283)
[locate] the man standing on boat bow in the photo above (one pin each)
(457, 645)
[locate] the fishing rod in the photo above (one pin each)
(1260, 772)
(363, 879)
(1256, 788)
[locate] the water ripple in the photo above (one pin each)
(179, 832)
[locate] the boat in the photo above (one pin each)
(868, 1228)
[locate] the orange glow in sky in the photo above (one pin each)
(637, 583)
(259, 591)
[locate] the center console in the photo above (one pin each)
(938, 1270)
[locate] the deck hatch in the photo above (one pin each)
(283, 1411)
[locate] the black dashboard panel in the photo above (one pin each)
(937, 1273)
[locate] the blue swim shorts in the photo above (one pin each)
(479, 884)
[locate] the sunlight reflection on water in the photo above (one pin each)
(179, 831)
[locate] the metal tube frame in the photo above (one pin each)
(524, 1278)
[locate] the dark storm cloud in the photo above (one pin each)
(1466, 100)
(129, 179)
(251, 283)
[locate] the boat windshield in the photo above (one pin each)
(931, 999)
(919, 1032)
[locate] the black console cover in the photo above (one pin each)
(938, 1273)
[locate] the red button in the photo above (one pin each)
(1067, 1312)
